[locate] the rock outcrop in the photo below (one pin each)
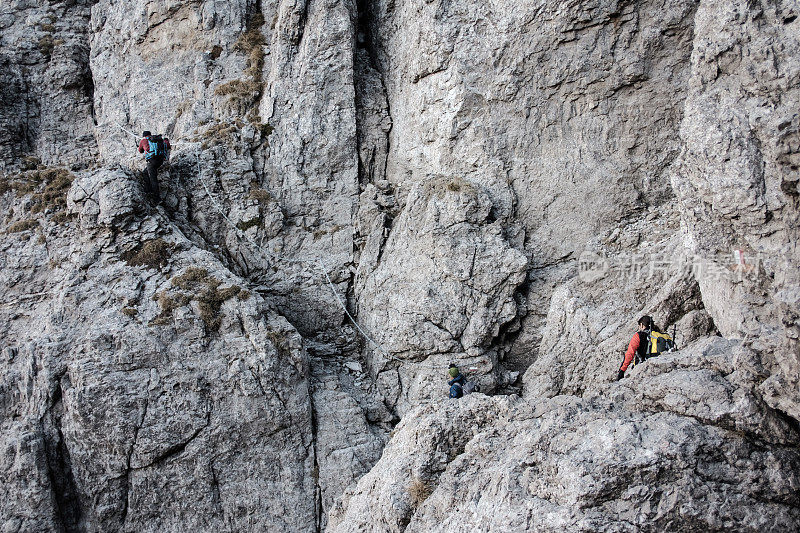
(145, 388)
(46, 89)
(737, 177)
(684, 444)
(442, 289)
(504, 186)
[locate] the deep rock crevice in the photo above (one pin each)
(63, 486)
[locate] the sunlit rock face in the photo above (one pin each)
(503, 186)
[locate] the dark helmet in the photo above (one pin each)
(146, 133)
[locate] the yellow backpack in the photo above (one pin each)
(657, 343)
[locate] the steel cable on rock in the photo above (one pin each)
(309, 266)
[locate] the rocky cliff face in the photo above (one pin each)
(684, 445)
(505, 186)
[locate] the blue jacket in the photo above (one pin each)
(456, 384)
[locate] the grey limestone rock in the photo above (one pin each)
(46, 89)
(148, 394)
(443, 286)
(506, 186)
(736, 174)
(642, 455)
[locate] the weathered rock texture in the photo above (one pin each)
(506, 186)
(737, 178)
(46, 90)
(442, 289)
(147, 394)
(684, 445)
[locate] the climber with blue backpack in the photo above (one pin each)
(156, 151)
(459, 386)
(648, 342)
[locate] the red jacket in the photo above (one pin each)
(633, 347)
(144, 145)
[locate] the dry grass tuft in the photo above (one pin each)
(252, 223)
(220, 133)
(195, 285)
(167, 304)
(418, 491)
(442, 185)
(281, 343)
(22, 225)
(46, 45)
(252, 36)
(260, 195)
(243, 94)
(48, 187)
(31, 163)
(153, 254)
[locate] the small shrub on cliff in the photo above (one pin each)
(242, 94)
(62, 217)
(210, 301)
(238, 89)
(266, 130)
(152, 254)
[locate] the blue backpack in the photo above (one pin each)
(156, 148)
(457, 391)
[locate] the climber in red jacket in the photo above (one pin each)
(639, 344)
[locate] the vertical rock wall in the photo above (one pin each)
(444, 166)
(567, 114)
(46, 90)
(737, 176)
